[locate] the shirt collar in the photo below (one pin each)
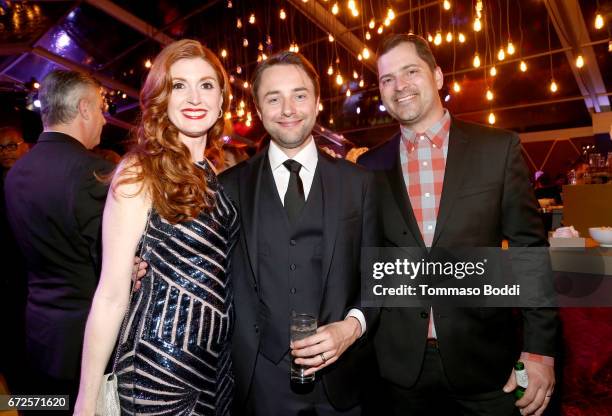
(307, 157)
(436, 134)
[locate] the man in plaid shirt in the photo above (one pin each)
(448, 183)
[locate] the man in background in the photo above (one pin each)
(13, 276)
(54, 206)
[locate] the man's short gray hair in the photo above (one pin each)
(60, 93)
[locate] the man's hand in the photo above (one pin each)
(327, 345)
(138, 271)
(539, 390)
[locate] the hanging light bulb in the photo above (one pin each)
(355, 74)
(493, 71)
(351, 4)
(361, 83)
(242, 104)
(228, 115)
(446, 5)
(331, 120)
(282, 14)
(599, 21)
(330, 38)
(461, 38)
(358, 110)
(148, 63)
(510, 48)
(335, 9)
(476, 61)
(223, 53)
(330, 71)
(438, 39)
(368, 36)
(372, 24)
(456, 86)
(501, 55)
(320, 107)
(252, 18)
(489, 95)
(523, 66)
(429, 37)
(579, 61)
(355, 12)
(379, 30)
(449, 37)
(239, 23)
(229, 4)
(477, 25)
(245, 42)
(359, 57)
(339, 79)
(264, 56)
(348, 92)
(239, 70)
(390, 14)
(491, 118)
(365, 53)
(387, 22)
(553, 86)
(245, 85)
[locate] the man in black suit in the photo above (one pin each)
(54, 206)
(305, 217)
(447, 183)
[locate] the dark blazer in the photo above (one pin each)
(486, 197)
(349, 223)
(54, 206)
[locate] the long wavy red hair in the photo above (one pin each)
(159, 161)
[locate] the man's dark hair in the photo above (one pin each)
(285, 58)
(420, 44)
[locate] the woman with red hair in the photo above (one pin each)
(165, 203)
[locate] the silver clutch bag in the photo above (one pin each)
(108, 398)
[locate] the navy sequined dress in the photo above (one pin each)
(175, 351)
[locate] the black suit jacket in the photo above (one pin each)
(349, 223)
(54, 206)
(486, 197)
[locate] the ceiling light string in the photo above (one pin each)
(522, 64)
(456, 87)
(553, 84)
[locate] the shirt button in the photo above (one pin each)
(422, 138)
(424, 163)
(427, 194)
(434, 145)
(256, 327)
(430, 227)
(292, 267)
(293, 290)
(292, 242)
(424, 315)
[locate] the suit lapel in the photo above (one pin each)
(250, 185)
(456, 163)
(399, 191)
(331, 192)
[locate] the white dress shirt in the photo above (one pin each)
(308, 158)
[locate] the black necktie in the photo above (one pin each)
(294, 197)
